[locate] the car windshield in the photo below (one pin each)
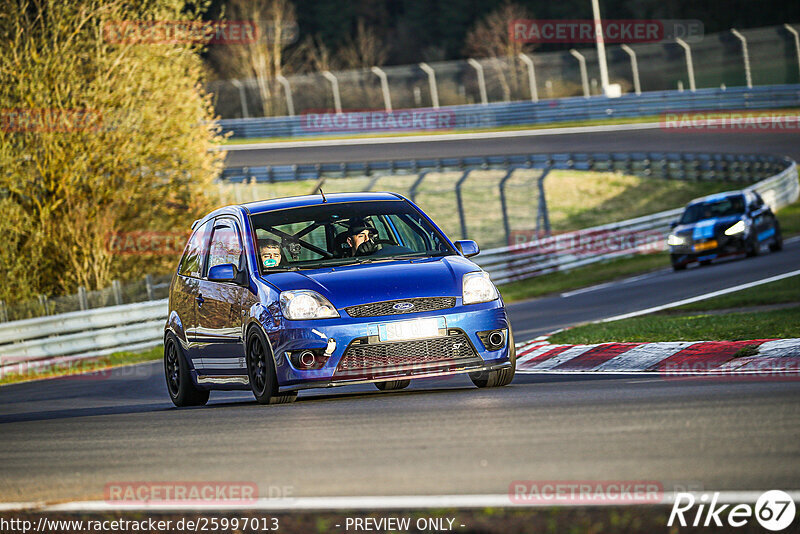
(334, 234)
(711, 209)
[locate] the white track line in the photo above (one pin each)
(702, 297)
(439, 137)
(613, 283)
(399, 502)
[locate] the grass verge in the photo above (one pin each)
(81, 367)
(780, 292)
(776, 324)
(582, 276)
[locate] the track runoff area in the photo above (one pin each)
(651, 454)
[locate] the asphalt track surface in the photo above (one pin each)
(637, 139)
(65, 439)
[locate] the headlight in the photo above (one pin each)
(674, 240)
(737, 228)
(477, 287)
(305, 304)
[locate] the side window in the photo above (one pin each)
(226, 245)
(192, 260)
(758, 202)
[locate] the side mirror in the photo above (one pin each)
(468, 248)
(225, 272)
(673, 224)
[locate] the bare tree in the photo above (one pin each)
(490, 38)
(263, 57)
(364, 50)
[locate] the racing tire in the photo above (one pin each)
(182, 390)
(392, 385)
(777, 243)
(678, 266)
(500, 377)
(705, 262)
(261, 371)
(753, 247)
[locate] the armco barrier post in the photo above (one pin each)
(689, 64)
(337, 98)
(462, 219)
(542, 218)
(116, 288)
(412, 192)
(504, 205)
(637, 88)
(387, 98)
(242, 98)
(148, 285)
(584, 76)
(427, 69)
(796, 44)
(481, 80)
(531, 76)
(3, 312)
(745, 57)
(287, 89)
(82, 299)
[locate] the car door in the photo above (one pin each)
(219, 304)
(760, 216)
(184, 292)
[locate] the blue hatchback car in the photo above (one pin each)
(305, 292)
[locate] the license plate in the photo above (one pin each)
(705, 246)
(416, 329)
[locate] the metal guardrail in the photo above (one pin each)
(545, 112)
(92, 333)
(80, 335)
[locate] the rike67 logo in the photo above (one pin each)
(774, 510)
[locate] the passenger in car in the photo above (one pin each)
(270, 252)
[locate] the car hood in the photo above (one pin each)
(349, 285)
(707, 228)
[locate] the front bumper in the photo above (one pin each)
(360, 357)
(689, 253)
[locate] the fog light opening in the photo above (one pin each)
(496, 339)
(307, 359)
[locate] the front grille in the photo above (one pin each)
(368, 360)
(424, 304)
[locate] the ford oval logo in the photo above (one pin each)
(402, 306)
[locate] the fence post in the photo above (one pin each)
(337, 99)
(427, 69)
(460, 203)
(481, 80)
(796, 44)
(84, 302)
(253, 189)
(531, 76)
(117, 289)
(412, 193)
(44, 304)
(148, 285)
(387, 98)
(542, 217)
(584, 76)
(504, 206)
(242, 98)
(689, 64)
(3, 312)
(745, 56)
(634, 68)
(287, 89)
